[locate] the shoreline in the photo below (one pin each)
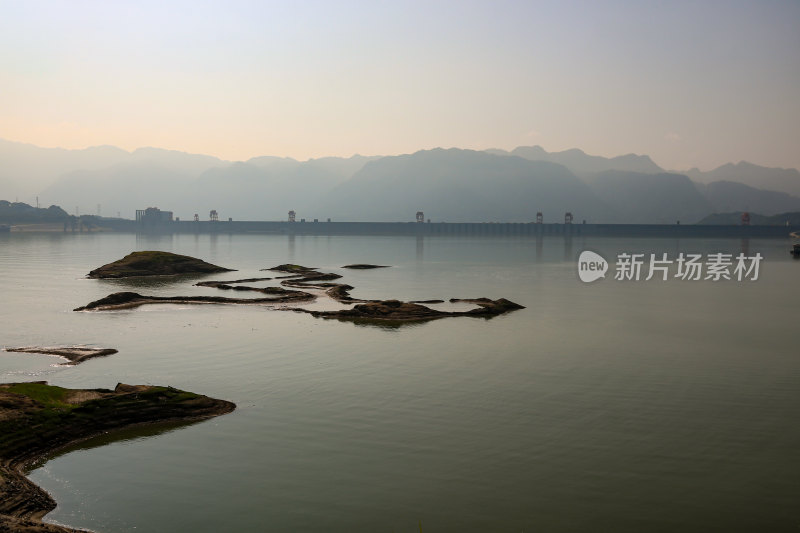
(37, 420)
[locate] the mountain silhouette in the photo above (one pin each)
(774, 179)
(582, 164)
(451, 185)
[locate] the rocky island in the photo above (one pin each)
(362, 266)
(37, 419)
(395, 311)
(128, 300)
(74, 354)
(154, 263)
(291, 268)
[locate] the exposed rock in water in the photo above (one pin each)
(75, 354)
(487, 307)
(309, 278)
(397, 311)
(360, 266)
(37, 419)
(127, 300)
(227, 286)
(340, 292)
(427, 301)
(221, 283)
(386, 311)
(394, 310)
(154, 263)
(292, 269)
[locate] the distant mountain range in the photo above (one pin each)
(448, 185)
(582, 164)
(772, 179)
(459, 186)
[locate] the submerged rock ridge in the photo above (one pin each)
(128, 300)
(389, 311)
(397, 311)
(308, 279)
(154, 263)
(362, 266)
(74, 354)
(37, 419)
(292, 269)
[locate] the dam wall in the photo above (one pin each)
(502, 229)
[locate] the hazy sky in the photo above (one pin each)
(689, 83)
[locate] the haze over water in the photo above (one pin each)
(611, 406)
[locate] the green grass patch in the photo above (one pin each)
(47, 395)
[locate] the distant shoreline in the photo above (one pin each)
(57, 227)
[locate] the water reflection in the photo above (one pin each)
(568, 248)
(153, 282)
(154, 241)
(385, 325)
(121, 435)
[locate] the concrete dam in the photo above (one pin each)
(502, 229)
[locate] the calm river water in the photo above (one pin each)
(622, 406)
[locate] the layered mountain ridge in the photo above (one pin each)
(453, 185)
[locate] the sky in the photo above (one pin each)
(692, 84)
